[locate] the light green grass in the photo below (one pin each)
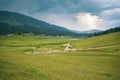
(98, 41)
(101, 64)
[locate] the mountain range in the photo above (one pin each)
(13, 22)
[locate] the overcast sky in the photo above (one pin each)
(72, 14)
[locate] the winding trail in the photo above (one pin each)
(74, 49)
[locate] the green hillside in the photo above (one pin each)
(110, 39)
(18, 62)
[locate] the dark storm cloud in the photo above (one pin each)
(50, 5)
(4, 4)
(72, 6)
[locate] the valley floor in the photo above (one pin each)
(88, 62)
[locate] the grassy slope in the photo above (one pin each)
(98, 41)
(15, 64)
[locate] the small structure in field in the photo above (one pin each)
(68, 47)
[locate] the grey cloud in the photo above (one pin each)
(71, 6)
(59, 10)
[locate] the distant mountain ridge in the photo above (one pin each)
(88, 31)
(12, 22)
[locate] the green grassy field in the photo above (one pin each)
(91, 64)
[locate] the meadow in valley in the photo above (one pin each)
(43, 58)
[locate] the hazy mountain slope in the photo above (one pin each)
(88, 31)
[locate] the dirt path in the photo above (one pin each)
(47, 52)
(58, 51)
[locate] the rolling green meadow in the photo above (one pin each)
(43, 58)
